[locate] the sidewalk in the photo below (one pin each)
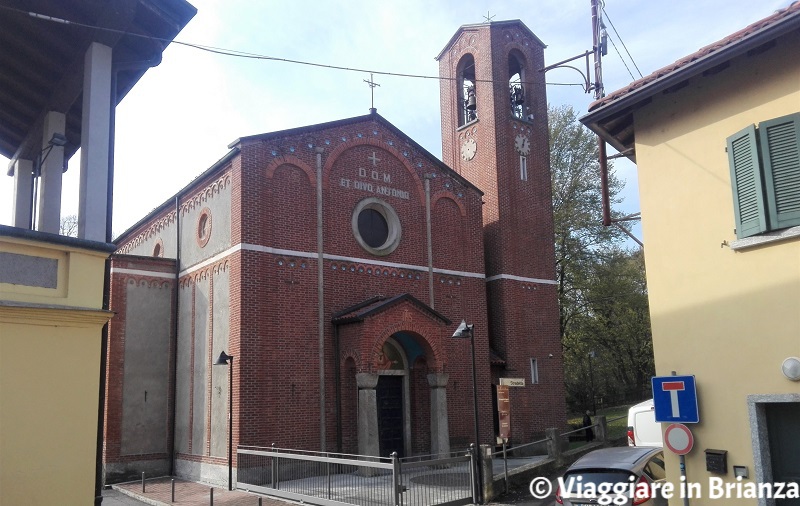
(158, 492)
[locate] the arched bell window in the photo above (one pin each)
(516, 88)
(467, 92)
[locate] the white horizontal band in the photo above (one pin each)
(138, 272)
(306, 254)
(520, 278)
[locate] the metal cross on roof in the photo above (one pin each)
(372, 84)
(489, 18)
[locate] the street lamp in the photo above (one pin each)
(223, 360)
(591, 381)
(464, 331)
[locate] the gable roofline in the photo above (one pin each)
(234, 150)
(490, 24)
(624, 101)
(379, 304)
(372, 116)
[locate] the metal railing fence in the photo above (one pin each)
(337, 479)
(433, 479)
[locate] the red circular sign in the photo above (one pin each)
(679, 439)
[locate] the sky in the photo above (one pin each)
(181, 116)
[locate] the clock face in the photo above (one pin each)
(522, 145)
(468, 149)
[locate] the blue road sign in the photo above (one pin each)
(675, 399)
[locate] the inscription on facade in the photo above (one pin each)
(373, 181)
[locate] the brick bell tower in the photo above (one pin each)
(495, 134)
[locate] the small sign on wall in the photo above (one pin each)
(504, 411)
(513, 382)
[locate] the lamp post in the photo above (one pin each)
(464, 331)
(223, 360)
(591, 381)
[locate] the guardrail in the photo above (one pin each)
(332, 479)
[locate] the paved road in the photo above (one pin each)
(517, 497)
(522, 497)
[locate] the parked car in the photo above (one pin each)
(621, 475)
(643, 430)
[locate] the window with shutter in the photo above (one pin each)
(748, 192)
(780, 146)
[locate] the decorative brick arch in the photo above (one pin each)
(292, 161)
(369, 141)
(350, 353)
(422, 333)
(446, 194)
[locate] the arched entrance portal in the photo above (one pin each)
(403, 398)
(392, 348)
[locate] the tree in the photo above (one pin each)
(604, 317)
(609, 347)
(69, 225)
(577, 207)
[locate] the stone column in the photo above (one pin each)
(48, 216)
(368, 443)
(95, 128)
(23, 194)
(440, 433)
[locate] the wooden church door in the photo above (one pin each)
(389, 397)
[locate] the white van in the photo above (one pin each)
(642, 427)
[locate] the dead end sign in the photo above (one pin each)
(675, 399)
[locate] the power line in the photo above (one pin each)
(252, 56)
(621, 58)
(623, 44)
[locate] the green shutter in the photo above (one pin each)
(748, 192)
(780, 147)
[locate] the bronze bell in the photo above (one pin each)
(518, 96)
(471, 99)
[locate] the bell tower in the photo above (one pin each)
(495, 134)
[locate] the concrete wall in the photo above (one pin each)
(202, 389)
(145, 394)
(219, 374)
(50, 341)
(728, 317)
(183, 383)
(138, 410)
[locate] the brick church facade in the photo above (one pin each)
(334, 263)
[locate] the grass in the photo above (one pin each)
(616, 428)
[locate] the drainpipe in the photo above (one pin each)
(430, 244)
(320, 304)
(604, 182)
(99, 477)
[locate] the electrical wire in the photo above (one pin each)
(623, 44)
(621, 58)
(252, 56)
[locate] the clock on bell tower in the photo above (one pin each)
(495, 134)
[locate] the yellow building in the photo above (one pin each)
(60, 84)
(51, 320)
(716, 137)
